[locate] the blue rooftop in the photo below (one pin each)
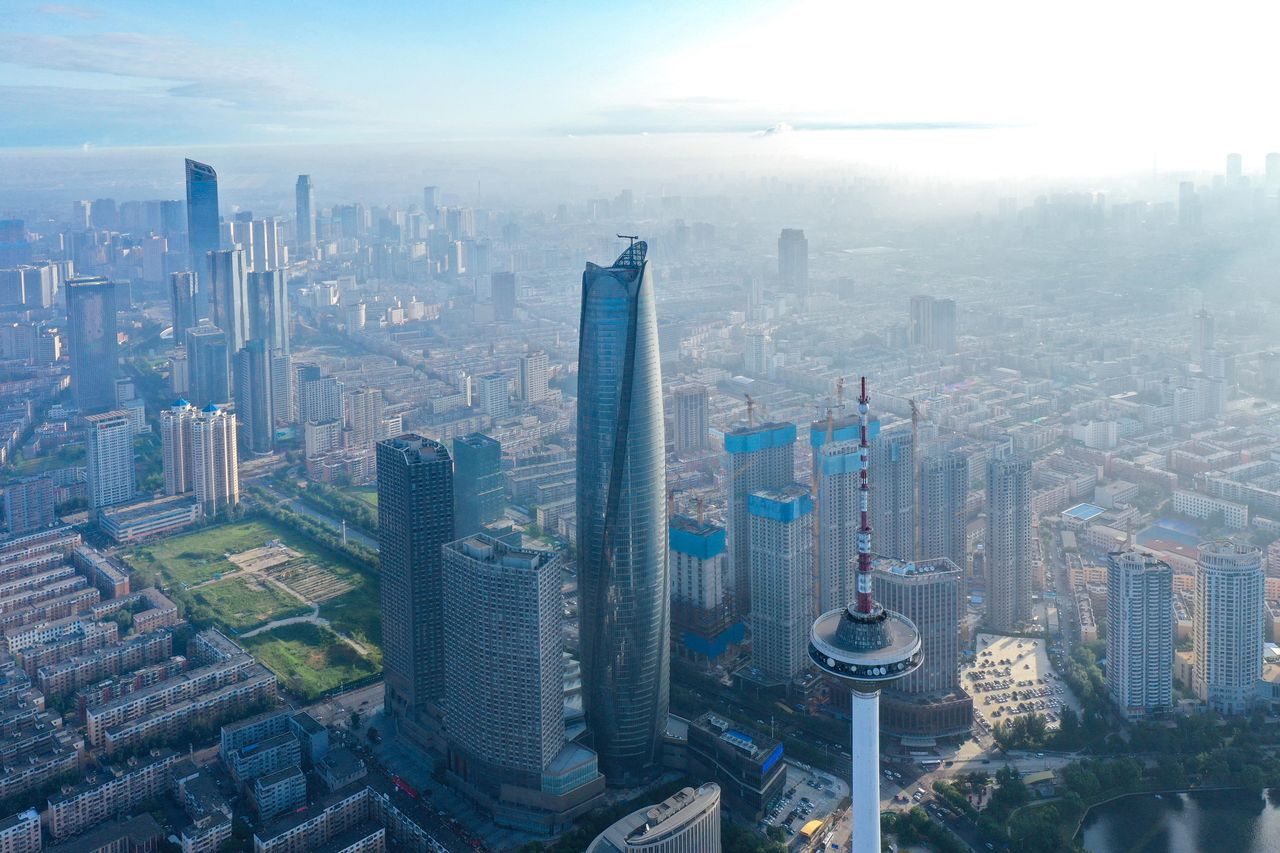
(1084, 512)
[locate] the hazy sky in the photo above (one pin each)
(1120, 82)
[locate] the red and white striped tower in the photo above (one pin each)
(869, 647)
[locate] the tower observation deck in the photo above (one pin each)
(869, 647)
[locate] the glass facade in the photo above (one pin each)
(202, 226)
(625, 590)
(91, 320)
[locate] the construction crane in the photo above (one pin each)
(751, 411)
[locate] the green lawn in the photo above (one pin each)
(242, 605)
(198, 556)
(369, 496)
(357, 613)
(309, 659)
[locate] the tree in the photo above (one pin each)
(355, 720)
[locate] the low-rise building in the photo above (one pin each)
(109, 791)
(746, 765)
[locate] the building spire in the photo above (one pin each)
(865, 601)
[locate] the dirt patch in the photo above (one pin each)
(264, 558)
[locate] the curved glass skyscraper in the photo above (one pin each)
(203, 236)
(625, 594)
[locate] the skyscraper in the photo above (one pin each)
(215, 461)
(182, 303)
(109, 473)
(689, 404)
(837, 466)
(782, 604)
(504, 671)
(208, 365)
(502, 291)
(268, 309)
(622, 570)
(760, 458)
(1201, 335)
(202, 226)
(932, 324)
(1227, 625)
(928, 703)
(1008, 542)
(415, 518)
(175, 444)
(306, 213)
(266, 245)
(477, 482)
(1139, 633)
(91, 323)
(534, 370)
(893, 499)
(944, 488)
(254, 398)
(793, 262)
(229, 295)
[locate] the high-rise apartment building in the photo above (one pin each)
(91, 324)
(1227, 628)
(415, 518)
(109, 472)
(793, 262)
(175, 444)
(893, 499)
(701, 602)
(254, 399)
(208, 365)
(1008, 542)
(504, 672)
(535, 371)
(944, 488)
(203, 233)
(1202, 337)
(29, 504)
(183, 287)
(502, 292)
(477, 482)
(215, 460)
(305, 193)
(929, 702)
(760, 458)
(782, 588)
(624, 592)
(229, 295)
(691, 417)
(933, 324)
(491, 395)
(364, 412)
(838, 466)
(320, 399)
(1140, 633)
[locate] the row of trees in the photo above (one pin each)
(317, 532)
(336, 501)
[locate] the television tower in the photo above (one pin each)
(869, 647)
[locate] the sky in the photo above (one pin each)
(1113, 84)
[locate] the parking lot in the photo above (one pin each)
(808, 795)
(1011, 677)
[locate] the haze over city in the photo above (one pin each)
(595, 428)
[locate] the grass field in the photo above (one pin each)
(309, 659)
(198, 556)
(369, 496)
(243, 604)
(310, 655)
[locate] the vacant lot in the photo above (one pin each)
(246, 593)
(199, 556)
(242, 604)
(309, 659)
